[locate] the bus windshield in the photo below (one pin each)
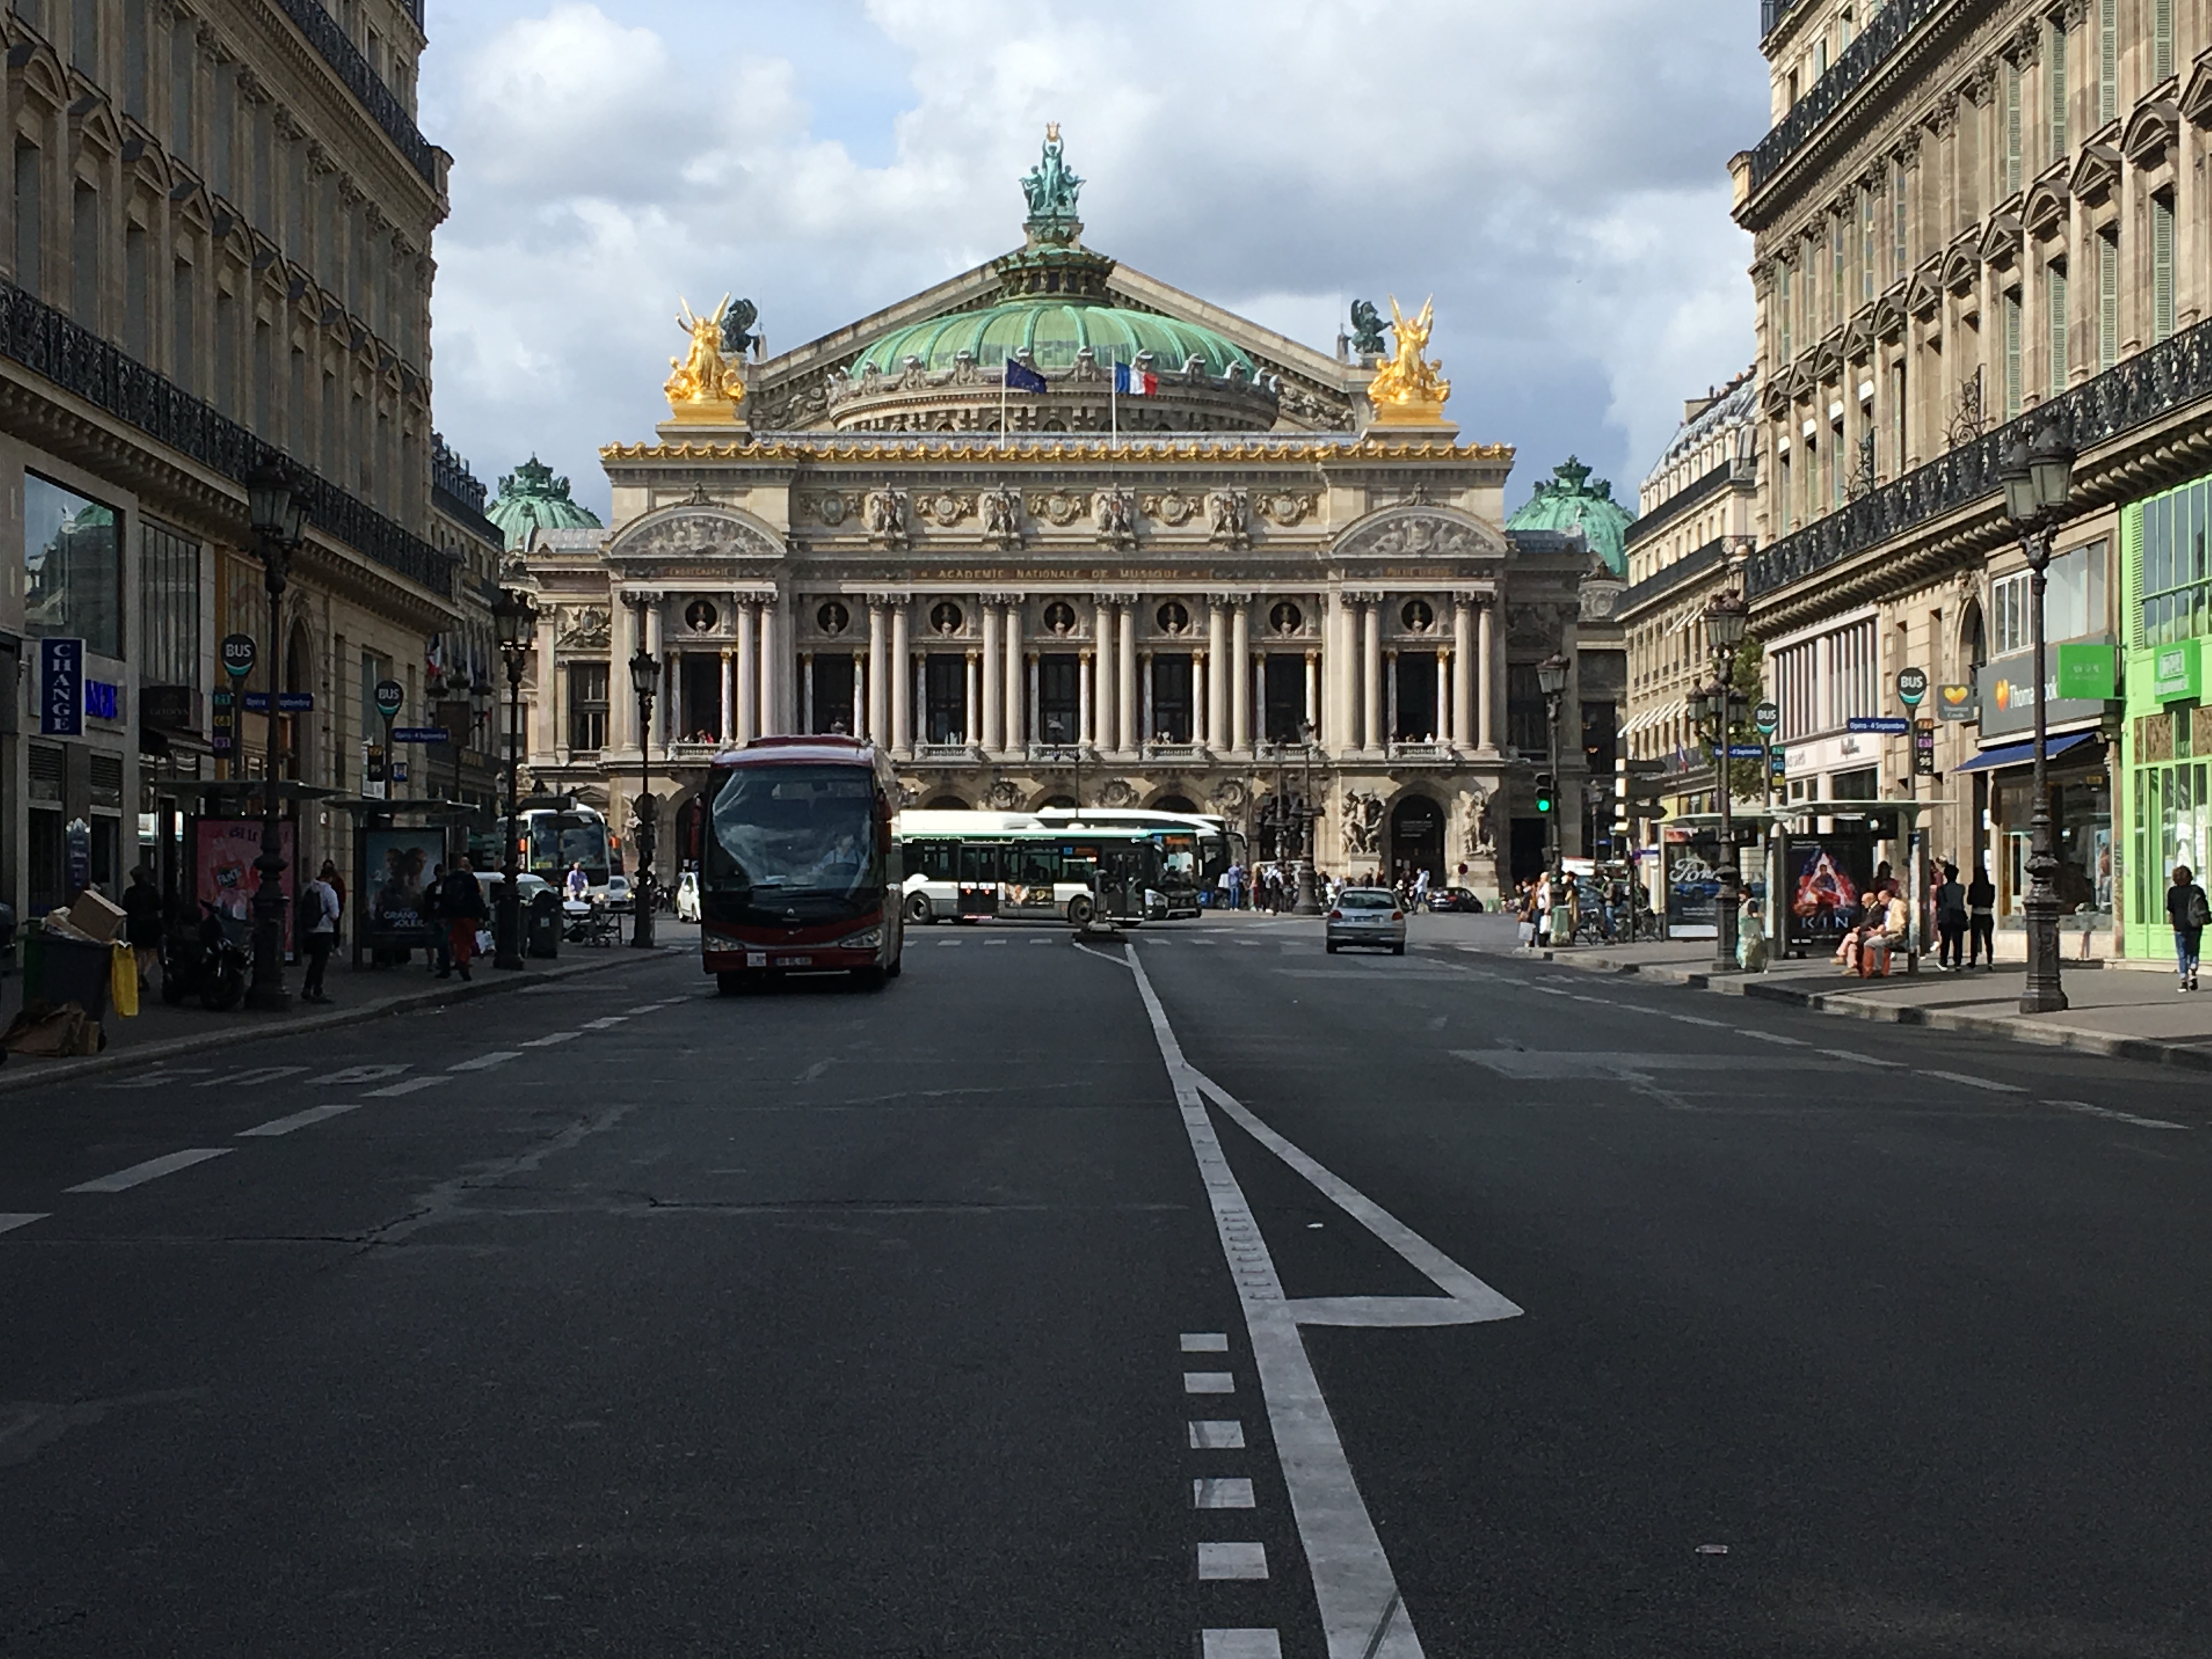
(795, 842)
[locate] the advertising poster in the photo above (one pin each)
(223, 851)
(1693, 887)
(1828, 877)
(400, 865)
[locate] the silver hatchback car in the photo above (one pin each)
(1368, 916)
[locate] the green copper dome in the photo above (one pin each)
(1052, 330)
(531, 497)
(1569, 503)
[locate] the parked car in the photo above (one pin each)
(1369, 917)
(687, 896)
(618, 892)
(1455, 901)
(527, 885)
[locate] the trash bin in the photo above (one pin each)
(61, 970)
(541, 930)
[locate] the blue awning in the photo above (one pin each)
(2020, 754)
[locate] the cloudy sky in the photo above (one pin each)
(1555, 172)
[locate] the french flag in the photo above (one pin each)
(1133, 382)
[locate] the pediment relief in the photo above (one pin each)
(1416, 531)
(2196, 101)
(37, 69)
(2097, 174)
(1887, 322)
(1923, 293)
(2150, 132)
(2001, 237)
(690, 532)
(1858, 337)
(2048, 205)
(1962, 266)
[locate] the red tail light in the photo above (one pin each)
(1397, 915)
(1336, 916)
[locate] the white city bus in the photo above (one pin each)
(1196, 847)
(967, 866)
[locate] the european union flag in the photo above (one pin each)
(1022, 378)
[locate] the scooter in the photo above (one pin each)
(208, 961)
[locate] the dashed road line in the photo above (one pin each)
(1217, 1434)
(1857, 1059)
(411, 1086)
(1221, 1492)
(353, 1074)
(152, 1170)
(1967, 1080)
(160, 1076)
(549, 1040)
(1700, 1020)
(1773, 1036)
(2084, 1107)
(284, 1126)
(485, 1062)
(1232, 1561)
(1209, 1383)
(9, 1223)
(251, 1080)
(1205, 1342)
(1240, 1645)
(603, 1022)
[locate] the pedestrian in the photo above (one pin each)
(1950, 919)
(1421, 891)
(438, 957)
(141, 922)
(320, 908)
(1982, 919)
(330, 873)
(2186, 908)
(460, 902)
(579, 884)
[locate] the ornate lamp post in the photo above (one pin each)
(1552, 680)
(480, 697)
(1726, 617)
(2039, 476)
(516, 618)
(1055, 732)
(1307, 903)
(645, 680)
(278, 512)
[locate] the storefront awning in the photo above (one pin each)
(2021, 754)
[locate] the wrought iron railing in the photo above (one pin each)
(82, 363)
(329, 41)
(1885, 31)
(2147, 388)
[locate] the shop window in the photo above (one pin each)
(168, 606)
(73, 562)
(2176, 579)
(2073, 601)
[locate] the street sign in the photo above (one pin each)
(421, 734)
(1643, 769)
(1766, 717)
(1923, 749)
(389, 695)
(1957, 702)
(238, 655)
(288, 702)
(1778, 763)
(61, 688)
(400, 771)
(223, 721)
(1884, 726)
(1747, 750)
(1911, 686)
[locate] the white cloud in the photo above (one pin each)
(1554, 173)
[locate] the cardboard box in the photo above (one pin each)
(96, 916)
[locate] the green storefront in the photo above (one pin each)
(2166, 737)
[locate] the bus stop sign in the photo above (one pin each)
(389, 695)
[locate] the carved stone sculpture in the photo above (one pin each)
(1114, 510)
(1479, 830)
(1228, 515)
(1367, 327)
(886, 511)
(1002, 517)
(1363, 824)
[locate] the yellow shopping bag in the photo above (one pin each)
(122, 981)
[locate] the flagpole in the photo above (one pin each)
(1003, 361)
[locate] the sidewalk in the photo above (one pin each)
(160, 1032)
(2128, 1016)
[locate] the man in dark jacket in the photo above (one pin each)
(1950, 919)
(2186, 908)
(460, 902)
(141, 922)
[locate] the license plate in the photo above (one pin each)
(755, 958)
(794, 962)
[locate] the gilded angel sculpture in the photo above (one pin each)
(1410, 378)
(703, 376)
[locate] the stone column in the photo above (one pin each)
(991, 734)
(772, 677)
(1219, 676)
(1340, 688)
(661, 711)
(1239, 678)
(729, 697)
(1313, 690)
(1372, 673)
(1147, 727)
(1463, 671)
(1102, 673)
(1029, 733)
(547, 711)
(1491, 674)
(1086, 669)
(622, 703)
(880, 676)
(805, 691)
(900, 672)
(973, 705)
(748, 675)
(1014, 678)
(1127, 732)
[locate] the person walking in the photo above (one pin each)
(460, 902)
(579, 883)
(438, 956)
(1981, 919)
(1950, 919)
(320, 907)
(2186, 909)
(141, 922)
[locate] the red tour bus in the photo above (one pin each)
(797, 870)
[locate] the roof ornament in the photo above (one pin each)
(1052, 187)
(737, 323)
(705, 389)
(1407, 391)
(1367, 327)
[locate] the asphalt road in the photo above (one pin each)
(1220, 1298)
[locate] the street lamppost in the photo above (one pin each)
(644, 679)
(2039, 476)
(1055, 732)
(516, 618)
(1552, 680)
(1307, 903)
(277, 509)
(1726, 617)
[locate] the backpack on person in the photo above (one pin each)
(2195, 909)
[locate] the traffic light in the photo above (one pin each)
(1544, 792)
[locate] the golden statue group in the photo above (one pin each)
(705, 384)
(1407, 389)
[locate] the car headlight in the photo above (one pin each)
(720, 942)
(868, 939)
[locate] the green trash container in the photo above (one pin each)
(541, 930)
(61, 970)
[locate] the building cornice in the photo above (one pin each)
(1059, 451)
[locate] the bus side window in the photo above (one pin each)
(936, 860)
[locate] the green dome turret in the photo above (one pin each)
(531, 498)
(1569, 503)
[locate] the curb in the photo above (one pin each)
(13, 1081)
(1940, 1019)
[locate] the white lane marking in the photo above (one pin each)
(9, 1223)
(284, 1126)
(159, 1077)
(813, 1073)
(1771, 1036)
(1469, 1300)
(603, 1022)
(1700, 1020)
(1971, 1081)
(248, 1079)
(1239, 1645)
(947, 944)
(152, 1170)
(647, 1008)
(2117, 1117)
(1861, 1059)
(1205, 1342)
(1209, 1383)
(1222, 1492)
(548, 1041)
(413, 1085)
(485, 1062)
(995, 941)
(353, 1074)
(1354, 1590)
(1217, 1434)
(1241, 1561)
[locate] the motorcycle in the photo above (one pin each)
(209, 960)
